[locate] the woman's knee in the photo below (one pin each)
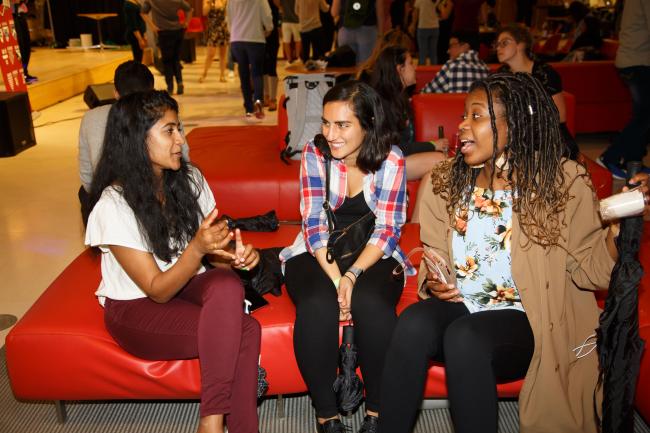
(415, 328)
(317, 304)
(253, 328)
(224, 284)
(463, 339)
(369, 304)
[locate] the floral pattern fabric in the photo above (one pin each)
(481, 246)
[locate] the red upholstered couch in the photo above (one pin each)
(65, 325)
(602, 102)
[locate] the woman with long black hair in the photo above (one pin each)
(155, 223)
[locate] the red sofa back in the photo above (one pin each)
(434, 109)
(603, 102)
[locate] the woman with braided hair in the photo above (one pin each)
(516, 222)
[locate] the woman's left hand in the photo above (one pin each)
(642, 179)
(345, 298)
(246, 257)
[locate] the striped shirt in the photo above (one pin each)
(384, 192)
(456, 76)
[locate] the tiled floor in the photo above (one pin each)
(40, 224)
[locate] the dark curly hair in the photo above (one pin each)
(367, 107)
(166, 209)
(520, 34)
(535, 152)
(385, 79)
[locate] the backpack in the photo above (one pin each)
(304, 104)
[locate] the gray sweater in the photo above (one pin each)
(248, 20)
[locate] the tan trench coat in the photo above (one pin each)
(558, 392)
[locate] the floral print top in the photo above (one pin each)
(481, 246)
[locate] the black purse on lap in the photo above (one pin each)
(344, 245)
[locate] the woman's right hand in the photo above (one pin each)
(213, 238)
(442, 291)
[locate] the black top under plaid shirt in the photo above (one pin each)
(456, 76)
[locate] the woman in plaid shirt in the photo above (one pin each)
(366, 175)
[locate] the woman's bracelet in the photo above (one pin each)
(355, 277)
(351, 280)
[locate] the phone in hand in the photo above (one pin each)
(436, 265)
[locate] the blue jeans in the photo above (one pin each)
(250, 59)
(361, 40)
(630, 145)
(428, 45)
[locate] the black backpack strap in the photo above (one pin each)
(326, 202)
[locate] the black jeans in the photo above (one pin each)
(478, 350)
(312, 39)
(24, 44)
(316, 331)
(250, 59)
(135, 47)
(170, 42)
(630, 145)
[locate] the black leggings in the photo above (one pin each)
(316, 331)
(478, 350)
(170, 43)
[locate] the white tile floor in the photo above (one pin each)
(40, 224)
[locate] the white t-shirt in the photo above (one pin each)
(427, 15)
(112, 222)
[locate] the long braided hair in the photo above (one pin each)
(535, 153)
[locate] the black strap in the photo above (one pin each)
(326, 202)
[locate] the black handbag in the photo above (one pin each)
(345, 245)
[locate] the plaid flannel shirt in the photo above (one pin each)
(384, 192)
(456, 76)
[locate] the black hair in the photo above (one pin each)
(535, 153)
(367, 107)
(578, 10)
(466, 37)
(520, 34)
(131, 77)
(385, 79)
(166, 209)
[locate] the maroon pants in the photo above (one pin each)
(205, 320)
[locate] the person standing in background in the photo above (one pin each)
(19, 12)
(290, 29)
(250, 21)
(271, 60)
(165, 23)
(359, 24)
(311, 29)
(218, 36)
(425, 16)
(467, 16)
(445, 20)
(134, 28)
(633, 63)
